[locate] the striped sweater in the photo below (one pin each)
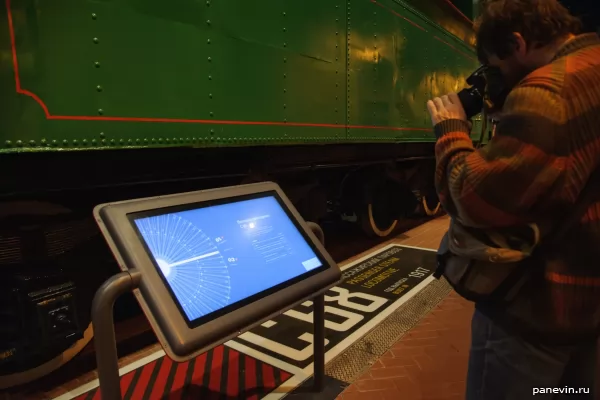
(546, 146)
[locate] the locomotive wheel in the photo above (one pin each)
(21, 378)
(378, 216)
(430, 204)
(376, 224)
(377, 202)
(430, 212)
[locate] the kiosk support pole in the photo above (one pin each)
(319, 325)
(319, 343)
(104, 330)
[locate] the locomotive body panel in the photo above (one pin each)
(92, 75)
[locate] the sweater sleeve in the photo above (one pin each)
(501, 184)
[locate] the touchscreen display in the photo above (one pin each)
(215, 256)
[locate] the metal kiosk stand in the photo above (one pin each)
(135, 278)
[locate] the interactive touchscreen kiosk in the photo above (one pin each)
(215, 263)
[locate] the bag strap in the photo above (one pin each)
(588, 195)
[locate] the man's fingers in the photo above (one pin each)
(431, 107)
(454, 98)
(439, 103)
(446, 101)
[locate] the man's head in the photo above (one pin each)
(519, 36)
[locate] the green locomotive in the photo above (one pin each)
(104, 100)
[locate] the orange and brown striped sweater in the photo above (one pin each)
(546, 146)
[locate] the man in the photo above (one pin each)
(546, 146)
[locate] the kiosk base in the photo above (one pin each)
(105, 341)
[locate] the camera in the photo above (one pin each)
(487, 92)
(471, 98)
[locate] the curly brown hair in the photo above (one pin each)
(540, 22)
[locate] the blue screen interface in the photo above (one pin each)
(216, 256)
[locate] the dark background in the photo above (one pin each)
(587, 10)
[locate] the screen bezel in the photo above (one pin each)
(179, 341)
(133, 216)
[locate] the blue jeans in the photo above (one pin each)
(506, 367)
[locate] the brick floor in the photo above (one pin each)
(429, 362)
(427, 236)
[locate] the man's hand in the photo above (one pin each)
(446, 107)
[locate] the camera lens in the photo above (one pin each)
(471, 100)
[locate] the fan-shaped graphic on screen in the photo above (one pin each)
(190, 262)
